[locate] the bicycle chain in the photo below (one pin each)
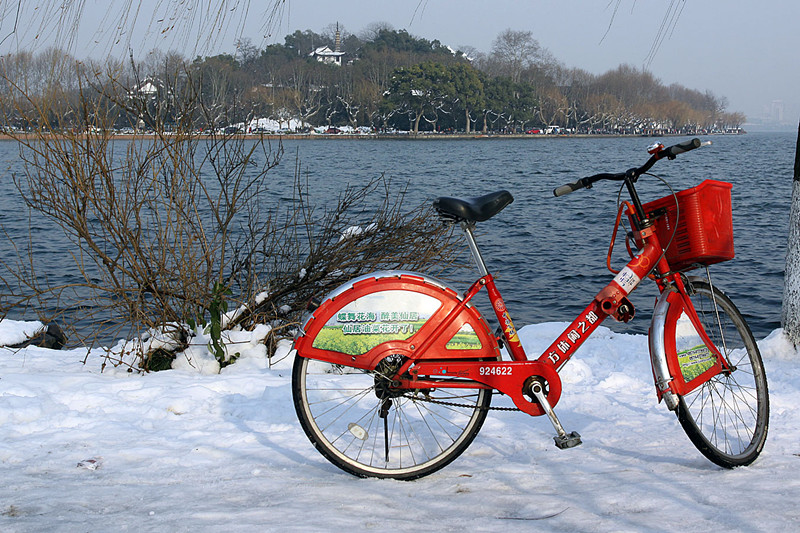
(384, 374)
(453, 404)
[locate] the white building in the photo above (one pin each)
(324, 54)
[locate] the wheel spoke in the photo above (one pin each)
(372, 429)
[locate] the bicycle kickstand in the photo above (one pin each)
(563, 439)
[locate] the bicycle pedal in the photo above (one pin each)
(568, 440)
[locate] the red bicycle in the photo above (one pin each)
(395, 371)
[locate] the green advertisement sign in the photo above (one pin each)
(381, 317)
(694, 357)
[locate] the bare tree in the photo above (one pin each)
(790, 315)
(246, 51)
(513, 52)
(372, 30)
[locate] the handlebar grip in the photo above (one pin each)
(680, 148)
(569, 187)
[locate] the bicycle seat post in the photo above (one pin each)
(468, 226)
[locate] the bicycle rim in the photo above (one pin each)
(401, 437)
(727, 417)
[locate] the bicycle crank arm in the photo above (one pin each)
(563, 439)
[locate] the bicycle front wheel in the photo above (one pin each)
(727, 417)
(371, 430)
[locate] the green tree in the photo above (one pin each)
(497, 92)
(419, 89)
(302, 43)
(468, 90)
(401, 40)
(523, 106)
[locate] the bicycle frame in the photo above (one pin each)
(533, 385)
(425, 366)
(509, 377)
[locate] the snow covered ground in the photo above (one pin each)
(181, 450)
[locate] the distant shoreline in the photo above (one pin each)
(371, 137)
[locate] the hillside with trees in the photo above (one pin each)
(383, 79)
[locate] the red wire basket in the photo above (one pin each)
(704, 233)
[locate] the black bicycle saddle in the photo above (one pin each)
(475, 209)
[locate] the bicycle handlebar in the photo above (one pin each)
(634, 173)
(680, 148)
(586, 183)
(568, 188)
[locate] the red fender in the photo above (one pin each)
(689, 368)
(395, 312)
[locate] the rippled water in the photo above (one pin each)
(548, 253)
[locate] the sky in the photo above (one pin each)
(741, 50)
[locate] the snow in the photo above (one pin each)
(354, 231)
(269, 125)
(186, 450)
(349, 233)
(15, 332)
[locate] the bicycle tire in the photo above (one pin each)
(727, 417)
(339, 410)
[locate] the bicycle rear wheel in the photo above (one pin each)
(727, 417)
(370, 430)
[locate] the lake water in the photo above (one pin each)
(547, 253)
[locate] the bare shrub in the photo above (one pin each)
(166, 228)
